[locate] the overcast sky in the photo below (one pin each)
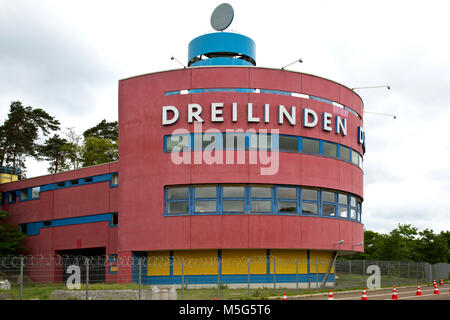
(67, 57)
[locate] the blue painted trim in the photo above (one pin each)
(229, 278)
(34, 228)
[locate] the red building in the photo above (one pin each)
(222, 160)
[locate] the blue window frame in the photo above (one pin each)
(233, 198)
(328, 203)
(177, 200)
(310, 201)
(205, 199)
(261, 199)
(287, 200)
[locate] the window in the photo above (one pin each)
(287, 200)
(344, 153)
(353, 212)
(12, 196)
(115, 179)
(61, 184)
(360, 162)
(178, 200)
(73, 182)
(328, 196)
(178, 207)
(343, 205)
(309, 208)
(205, 199)
(205, 192)
(177, 143)
(288, 144)
(261, 199)
(23, 228)
(310, 146)
(309, 194)
(261, 192)
(310, 203)
(35, 192)
(177, 193)
(208, 141)
(234, 141)
(329, 203)
(260, 141)
(88, 180)
(287, 193)
(355, 158)
(233, 199)
(329, 149)
(115, 219)
(24, 194)
(47, 223)
(328, 210)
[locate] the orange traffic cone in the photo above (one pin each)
(284, 296)
(434, 283)
(441, 283)
(436, 290)
(330, 295)
(419, 292)
(394, 294)
(364, 295)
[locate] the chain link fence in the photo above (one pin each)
(140, 277)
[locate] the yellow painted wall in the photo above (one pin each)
(286, 261)
(236, 261)
(324, 258)
(196, 262)
(6, 177)
(158, 263)
(205, 262)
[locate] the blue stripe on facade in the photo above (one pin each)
(34, 228)
(229, 278)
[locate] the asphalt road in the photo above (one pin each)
(403, 293)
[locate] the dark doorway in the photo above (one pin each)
(77, 257)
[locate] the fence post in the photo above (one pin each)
(248, 280)
(409, 280)
(218, 278)
(350, 272)
(317, 274)
(140, 276)
(21, 279)
(274, 274)
(364, 273)
(87, 278)
(182, 278)
(389, 273)
(296, 275)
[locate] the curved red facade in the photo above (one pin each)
(145, 169)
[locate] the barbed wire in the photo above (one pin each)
(104, 260)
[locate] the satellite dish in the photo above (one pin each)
(222, 17)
